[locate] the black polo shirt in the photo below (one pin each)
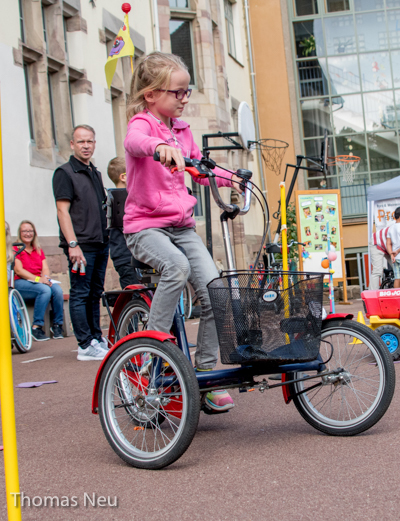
(82, 185)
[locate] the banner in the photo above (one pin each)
(384, 212)
(123, 46)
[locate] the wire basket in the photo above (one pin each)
(267, 316)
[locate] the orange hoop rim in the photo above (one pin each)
(343, 159)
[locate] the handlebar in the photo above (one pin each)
(200, 169)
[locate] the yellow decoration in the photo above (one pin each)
(123, 46)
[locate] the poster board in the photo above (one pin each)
(314, 209)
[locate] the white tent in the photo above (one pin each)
(382, 200)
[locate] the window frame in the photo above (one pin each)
(230, 24)
(176, 16)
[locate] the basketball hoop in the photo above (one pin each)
(272, 151)
(347, 166)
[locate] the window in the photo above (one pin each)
(70, 103)
(230, 31)
(180, 4)
(21, 21)
(65, 38)
(29, 102)
(337, 5)
(52, 112)
(45, 29)
(198, 194)
(306, 7)
(181, 43)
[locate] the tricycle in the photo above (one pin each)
(148, 394)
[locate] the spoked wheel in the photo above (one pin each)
(133, 318)
(149, 402)
(19, 319)
(357, 396)
(187, 301)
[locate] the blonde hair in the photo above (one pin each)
(9, 249)
(115, 168)
(35, 240)
(152, 72)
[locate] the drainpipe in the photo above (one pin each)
(254, 95)
(156, 26)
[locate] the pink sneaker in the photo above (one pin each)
(220, 401)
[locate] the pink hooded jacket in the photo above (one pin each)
(157, 198)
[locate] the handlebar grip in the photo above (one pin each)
(20, 245)
(156, 157)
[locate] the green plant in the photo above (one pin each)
(291, 224)
(308, 45)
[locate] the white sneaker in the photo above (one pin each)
(92, 352)
(104, 344)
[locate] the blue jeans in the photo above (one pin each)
(42, 294)
(85, 294)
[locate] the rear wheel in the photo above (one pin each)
(358, 393)
(133, 318)
(149, 402)
(19, 320)
(390, 335)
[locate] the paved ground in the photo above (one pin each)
(259, 461)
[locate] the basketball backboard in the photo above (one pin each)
(246, 128)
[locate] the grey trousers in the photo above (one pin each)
(158, 248)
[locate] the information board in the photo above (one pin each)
(317, 211)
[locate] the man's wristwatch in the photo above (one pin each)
(73, 244)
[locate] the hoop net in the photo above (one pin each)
(272, 151)
(347, 167)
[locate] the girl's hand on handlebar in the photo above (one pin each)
(168, 153)
(236, 183)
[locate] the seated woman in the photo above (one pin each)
(32, 280)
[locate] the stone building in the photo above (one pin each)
(52, 57)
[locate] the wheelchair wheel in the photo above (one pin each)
(354, 399)
(149, 403)
(19, 320)
(133, 317)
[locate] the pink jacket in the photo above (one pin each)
(157, 198)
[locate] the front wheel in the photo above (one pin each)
(149, 403)
(358, 393)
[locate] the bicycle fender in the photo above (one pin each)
(157, 335)
(122, 300)
(335, 316)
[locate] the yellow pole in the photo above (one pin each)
(6, 378)
(285, 264)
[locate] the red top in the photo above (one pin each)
(31, 262)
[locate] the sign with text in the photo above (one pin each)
(384, 212)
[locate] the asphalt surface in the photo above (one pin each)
(259, 461)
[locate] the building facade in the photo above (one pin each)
(52, 57)
(333, 65)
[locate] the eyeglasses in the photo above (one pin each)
(27, 232)
(179, 94)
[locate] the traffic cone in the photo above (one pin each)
(360, 320)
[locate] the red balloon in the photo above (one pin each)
(126, 8)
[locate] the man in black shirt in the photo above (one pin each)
(79, 194)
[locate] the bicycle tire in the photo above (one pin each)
(133, 318)
(373, 374)
(387, 284)
(178, 402)
(19, 320)
(187, 302)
